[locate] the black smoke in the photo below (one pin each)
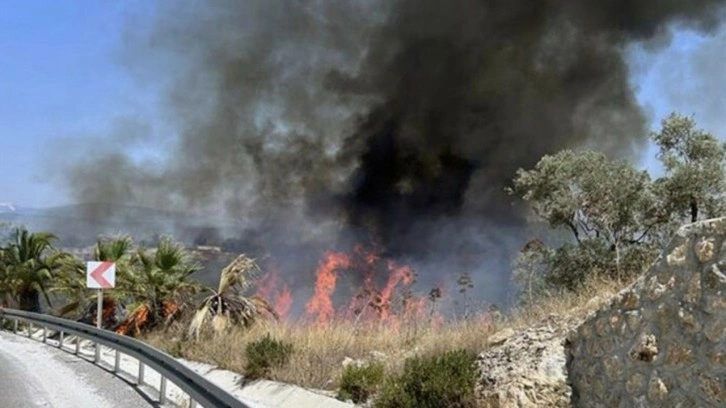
(401, 120)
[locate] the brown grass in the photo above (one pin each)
(319, 350)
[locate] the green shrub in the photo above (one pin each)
(263, 355)
(444, 380)
(358, 383)
(176, 349)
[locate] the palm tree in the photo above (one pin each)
(158, 286)
(28, 264)
(72, 282)
(228, 305)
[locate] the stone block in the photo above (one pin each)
(662, 341)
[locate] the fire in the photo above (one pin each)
(398, 274)
(270, 289)
(284, 302)
(320, 306)
(383, 293)
(370, 303)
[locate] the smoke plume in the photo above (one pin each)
(400, 121)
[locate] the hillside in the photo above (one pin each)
(80, 224)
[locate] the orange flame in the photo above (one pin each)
(320, 306)
(279, 295)
(391, 303)
(283, 302)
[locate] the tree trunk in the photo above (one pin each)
(617, 259)
(29, 300)
(694, 209)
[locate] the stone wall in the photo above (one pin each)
(661, 342)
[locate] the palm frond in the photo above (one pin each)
(239, 273)
(113, 248)
(200, 317)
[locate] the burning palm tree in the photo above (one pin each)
(153, 285)
(158, 287)
(228, 305)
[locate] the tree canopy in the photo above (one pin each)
(617, 216)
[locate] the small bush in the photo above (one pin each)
(263, 355)
(358, 383)
(176, 349)
(444, 380)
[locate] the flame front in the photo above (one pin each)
(383, 295)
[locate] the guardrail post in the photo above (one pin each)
(162, 390)
(30, 329)
(117, 362)
(97, 357)
(45, 333)
(141, 373)
(15, 326)
(78, 345)
(192, 402)
(60, 340)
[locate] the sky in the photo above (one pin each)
(62, 74)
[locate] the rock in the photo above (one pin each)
(500, 337)
(526, 369)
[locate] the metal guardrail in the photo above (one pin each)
(199, 389)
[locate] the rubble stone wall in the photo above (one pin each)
(662, 341)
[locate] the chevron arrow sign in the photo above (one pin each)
(100, 275)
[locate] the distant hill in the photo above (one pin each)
(81, 224)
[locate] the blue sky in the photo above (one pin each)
(61, 75)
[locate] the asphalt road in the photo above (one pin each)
(36, 375)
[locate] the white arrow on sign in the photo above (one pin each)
(100, 275)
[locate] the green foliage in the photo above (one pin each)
(358, 383)
(158, 278)
(71, 281)
(694, 181)
(590, 195)
(570, 265)
(608, 207)
(263, 355)
(618, 219)
(176, 349)
(445, 380)
(28, 263)
(145, 279)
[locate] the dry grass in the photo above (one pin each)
(590, 297)
(319, 351)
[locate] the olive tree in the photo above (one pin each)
(694, 184)
(607, 206)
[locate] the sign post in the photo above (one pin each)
(99, 308)
(100, 275)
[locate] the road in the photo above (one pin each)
(33, 374)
